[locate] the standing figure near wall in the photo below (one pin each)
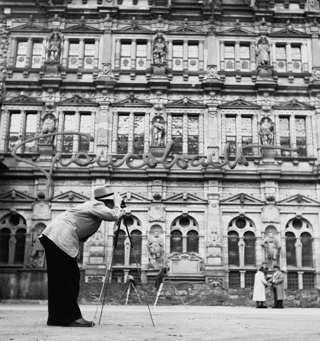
(263, 51)
(37, 257)
(156, 248)
(266, 132)
(48, 127)
(159, 50)
(158, 133)
(271, 250)
(54, 49)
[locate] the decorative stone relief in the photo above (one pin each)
(41, 210)
(270, 214)
(155, 247)
(157, 213)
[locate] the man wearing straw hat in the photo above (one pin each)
(61, 240)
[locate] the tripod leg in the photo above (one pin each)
(123, 292)
(134, 288)
(128, 292)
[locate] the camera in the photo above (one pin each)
(123, 204)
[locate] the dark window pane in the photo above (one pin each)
(117, 276)
(306, 242)
(176, 241)
(291, 249)
(192, 241)
(233, 248)
(136, 239)
(245, 142)
(301, 146)
(293, 282)
(234, 279)
(249, 279)
(308, 280)
(177, 149)
(4, 245)
(20, 246)
(285, 143)
(193, 145)
(67, 146)
(138, 134)
(249, 249)
(122, 147)
(118, 257)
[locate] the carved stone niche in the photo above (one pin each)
(270, 214)
(185, 264)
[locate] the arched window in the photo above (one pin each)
(306, 242)
(249, 249)
(20, 246)
(176, 241)
(233, 248)
(136, 238)
(4, 245)
(118, 257)
(291, 249)
(192, 241)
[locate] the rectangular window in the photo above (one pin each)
(125, 56)
(284, 132)
(21, 54)
(308, 280)
(177, 57)
(123, 134)
(296, 58)
(85, 127)
(246, 131)
(141, 56)
(229, 57)
(244, 57)
(37, 52)
(234, 279)
(231, 134)
(249, 279)
(281, 57)
(67, 142)
(74, 49)
(193, 57)
(301, 138)
(138, 134)
(293, 281)
(193, 135)
(31, 129)
(14, 130)
(89, 50)
(177, 134)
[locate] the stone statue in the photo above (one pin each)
(54, 49)
(37, 257)
(266, 132)
(48, 126)
(159, 50)
(271, 250)
(263, 51)
(158, 133)
(156, 248)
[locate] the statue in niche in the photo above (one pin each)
(158, 133)
(48, 127)
(37, 256)
(159, 51)
(266, 132)
(271, 250)
(156, 249)
(263, 51)
(54, 49)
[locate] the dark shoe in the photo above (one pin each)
(81, 322)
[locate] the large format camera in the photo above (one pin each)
(123, 204)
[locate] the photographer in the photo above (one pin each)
(61, 240)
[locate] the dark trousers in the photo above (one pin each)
(63, 285)
(277, 303)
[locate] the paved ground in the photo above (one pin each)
(22, 322)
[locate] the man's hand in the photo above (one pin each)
(117, 199)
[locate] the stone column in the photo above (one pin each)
(300, 279)
(242, 279)
(239, 131)
(255, 133)
(28, 54)
(317, 119)
(315, 48)
(289, 57)
(133, 53)
(304, 57)
(146, 133)
(13, 52)
(201, 133)
(65, 53)
(92, 130)
(223, 132)
(277, 135)
(309, 136)
(60, 128)
(96, 54)
(293, 141)
(76, 137)
(241, 245)
(253, 57)
(4, 124)
(298, 246)
(117, 54)
(237, 56)
(212, 128)
(185, 133)
(81, 53)
(222, 63)
(273, 54)
(170, 54)
(212, 50)
(130, 136)
(201, 55)
(114, 133)
(184, 243)
(185, 55)
(169, 126)
(149, 53)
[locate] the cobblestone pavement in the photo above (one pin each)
(24, 322)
